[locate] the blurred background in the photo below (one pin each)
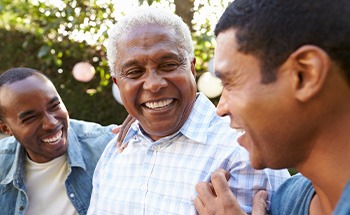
(65, 40)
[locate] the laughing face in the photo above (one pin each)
(267, 114)
(156, 80)
(35, 115)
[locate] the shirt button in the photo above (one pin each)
(21, 208)
(71, 195)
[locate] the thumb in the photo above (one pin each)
(259, 203)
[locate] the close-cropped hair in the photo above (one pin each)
(16, 74)
(149, 15)
(271, 30)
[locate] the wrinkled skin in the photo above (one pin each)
(156, 80)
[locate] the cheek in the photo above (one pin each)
(128, 89)
(25, 136)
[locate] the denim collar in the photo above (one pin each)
(75, 159)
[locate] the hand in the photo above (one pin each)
(217, 198)
(123, 130)
(259, 203)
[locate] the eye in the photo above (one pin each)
(170, 66)
(28, 119)
(133, 73)
(56, 106)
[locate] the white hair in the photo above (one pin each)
(149, 15)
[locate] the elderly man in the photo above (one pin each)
(286, 74)
(48, 162)
(178, 139)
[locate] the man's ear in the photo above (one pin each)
(193, 66)
(311, 66)
(5, 128)
(115, 80)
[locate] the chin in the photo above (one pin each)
(257, 163)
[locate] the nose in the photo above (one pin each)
(154, 82)
(49, 121)
(222, 107)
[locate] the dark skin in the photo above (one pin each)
(122, 130)
(217, 198)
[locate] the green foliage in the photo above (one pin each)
(41, 36)
(100, 107)
(53, 38)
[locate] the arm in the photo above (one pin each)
(217, 198)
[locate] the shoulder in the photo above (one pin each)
(293, 196)
(90, 131)
(89, 134)
(343, 206)
(8, 148)
(8, 145)
(89, 128)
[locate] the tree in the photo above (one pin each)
(53, 36)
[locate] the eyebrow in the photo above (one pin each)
(163, 57)
(29, 112)
(172, 56)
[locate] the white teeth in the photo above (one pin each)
(53, 139)
(240, 131)
(160, 104)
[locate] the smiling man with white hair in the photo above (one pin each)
(178, 140)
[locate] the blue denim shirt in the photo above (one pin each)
(86, 142)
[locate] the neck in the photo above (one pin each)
(327, 166)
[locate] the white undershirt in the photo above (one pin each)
(45, 188)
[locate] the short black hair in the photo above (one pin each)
(273, 29)
(16, 74)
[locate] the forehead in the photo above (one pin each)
(147, 34)
(231, 64)
(226, 55)
(29, 91)
(146, 40)
(226, 45)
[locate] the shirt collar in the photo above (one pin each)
(197, 124)
(75, 158)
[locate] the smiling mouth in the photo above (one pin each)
(159, 104)
(53, 139)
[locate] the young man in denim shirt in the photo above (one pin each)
(48, 162)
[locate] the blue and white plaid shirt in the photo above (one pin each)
(159, 177)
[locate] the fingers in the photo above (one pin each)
(121, 148)
(116, 129)
(219, 180)
(198, 205)
(259, 203)
(205, 200)
(205, 196)
(216, 197)
(123, 130)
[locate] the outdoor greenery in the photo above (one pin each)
(52, 36)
